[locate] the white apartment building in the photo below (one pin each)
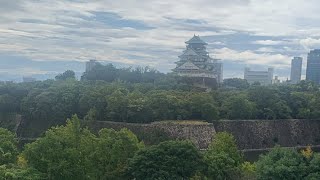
(263, 77)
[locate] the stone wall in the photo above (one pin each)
(260, 134)
(199, 133)
(250, 134)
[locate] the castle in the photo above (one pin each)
(196, 63)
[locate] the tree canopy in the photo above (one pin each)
(69, 74)
(167, 160)
(223, 158)
(72, 152)
(143, 95)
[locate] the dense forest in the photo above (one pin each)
(144, 95)
(71, 152)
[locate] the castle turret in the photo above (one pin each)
(195, 62)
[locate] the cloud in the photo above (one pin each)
(10, 6)
(310, 43)
(268, 42)
(252, 58)
(153, 32)
(266, 50)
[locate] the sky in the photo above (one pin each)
(42, 38)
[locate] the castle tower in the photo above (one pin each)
(196, 63)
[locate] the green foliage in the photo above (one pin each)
(239, 107)
(314, 168)
(117, 108)
(284, 163)
(8, 147)
(113, 151)
(264, 98)
(66, 75)
(281, 163)
(91, 115)
(282, 110)
(223, 158)
(9, 120)
(72, 152)
(248, 171)
(209, 112)
(198, 176)
(64, 152)
(167, 160)
(10, 166)
(110, 73)
(307, 86)
(18, 173)
(203, 106)
(143, 95)
(236, 83)
(167, 105)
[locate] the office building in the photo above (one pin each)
(262, 77)
(296, 66)
(313, 66)
(91, 64)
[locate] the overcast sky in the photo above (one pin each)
(48, 36)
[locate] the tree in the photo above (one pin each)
(299, 104)
(107, 73)
(223, 158)
(8, 103)
(168, 105)
(113, 151)
(138, 109)
(315, 106)
(91, 115)
(314, 168)
(167, 160)
(236, 83)
(248, 171)
(209, 112)
(93, 97)
(69, 74)
(203, 107)
(239, 107)
(8, 147)
(282, 110)
(307, 86)
(117, 108)
(264, 98)
(18, 173)
(281, 163)
(64, 152)
(9, 167)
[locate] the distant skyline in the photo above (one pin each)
(48, 37)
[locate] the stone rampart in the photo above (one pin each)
(249, 134)
(260, 134)
(199, 133)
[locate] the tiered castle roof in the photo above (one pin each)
(196, 62)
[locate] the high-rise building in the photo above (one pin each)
(90, 65)
(196, 63)
(262, 77)
(296, 66)
(313, 66)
